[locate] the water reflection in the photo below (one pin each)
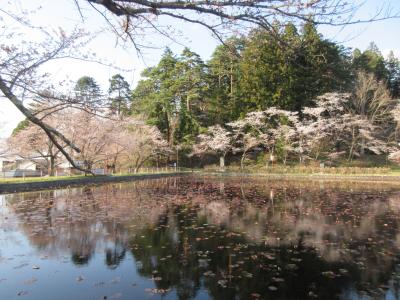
(212, 238)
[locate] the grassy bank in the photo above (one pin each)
(39, 183)
(73, 177)
(39, 179)
(310, 170)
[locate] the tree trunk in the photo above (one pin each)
(242, 160)
(222, 162)
(140, 163)
(231, 79)
(352, 146)
(51, 168)
(362, 149)
(89, 166)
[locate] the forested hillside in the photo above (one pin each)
(183, 95)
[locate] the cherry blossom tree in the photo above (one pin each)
(33, 144)
(93, 135)
(218, 140)
(273, 128)
(139, 143)
(346, 121)
(245, 139)
(320, 126)
(21, 80)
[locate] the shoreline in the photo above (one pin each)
(19, 187)
(313, 177)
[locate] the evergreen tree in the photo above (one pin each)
(119, 95)
(156, 96)
(290, 70)
(393, 67)
(224, 102)
(173, 95)
(20, 126)
(88, 92)
(370, 61)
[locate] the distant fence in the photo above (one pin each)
(21, 173)
(38, 173)
(99, 171)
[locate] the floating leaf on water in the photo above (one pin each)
(296, 259)
(116, 296)
(21, 266)
(312, 294)
(22, 293)
(329, 274)
(100, 283)
(343, 271)
(30, 281)
(209, 273)
(247, 274)
(157, 291)
(222, 283)
(291, 267)
(115, 280)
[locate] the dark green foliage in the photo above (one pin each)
(172, 95)
(224, 105)
(393, 68)
(289, 72)
(370, 61)
(182, 95)
(119, 95)
(21, 126)
(155, 97)
(88, 92)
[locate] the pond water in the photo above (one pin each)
(202, 238)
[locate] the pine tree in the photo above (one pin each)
(224, 104)
(88, 92)
(393, 67)
(119, 95)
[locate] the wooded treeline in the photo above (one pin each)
(183, 95)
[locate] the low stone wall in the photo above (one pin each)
(7, 188)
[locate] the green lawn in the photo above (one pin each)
(38, 179)
(44, 179)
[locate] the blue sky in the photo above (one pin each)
(63, 13)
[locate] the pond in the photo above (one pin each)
(202, 238)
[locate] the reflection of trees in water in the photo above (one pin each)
(180, 231)
(115, 251)
(356, 227)
(77, 221)
(185, 253)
